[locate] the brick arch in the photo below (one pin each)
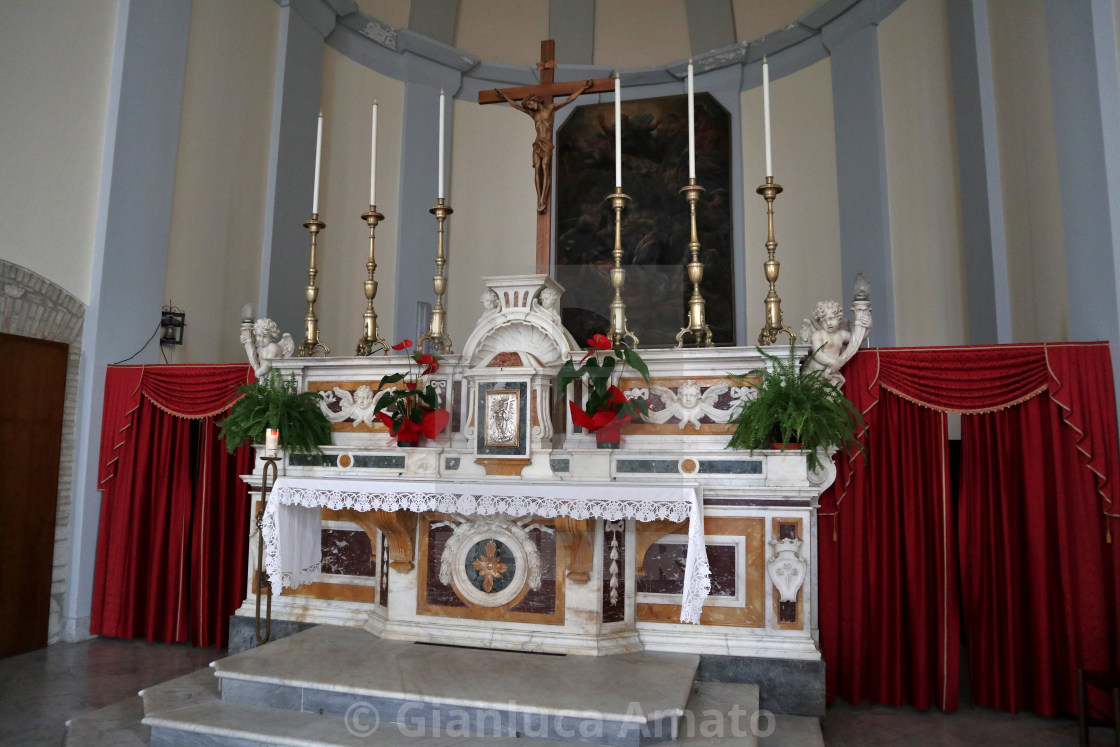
(32, 306)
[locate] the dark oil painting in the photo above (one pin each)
(655, 221)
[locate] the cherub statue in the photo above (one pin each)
(264, 344)
(827, 334)
(832, 342)
(359, 405)
(688, 404)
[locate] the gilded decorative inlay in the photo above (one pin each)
(489, 566)
(688, 466)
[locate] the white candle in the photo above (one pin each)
(373, 157)
(272, 442)
(691, 125)
(318, 159)
(766, 113)
(617, 132)
(441, 109)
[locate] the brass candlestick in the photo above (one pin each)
(697, 316)
(369, 341)
(618, 331)
(773, 326)
(441, 341)
(311, 322)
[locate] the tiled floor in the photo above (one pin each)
(40, 690)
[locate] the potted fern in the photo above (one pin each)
(276, 402)
(795, 408)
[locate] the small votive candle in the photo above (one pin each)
(272, 442)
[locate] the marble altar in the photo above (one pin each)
(575, 581)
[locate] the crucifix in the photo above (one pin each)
(539, 102)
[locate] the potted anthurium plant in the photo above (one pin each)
(275, 403)
(412, 409)
(795, 408)
(607, 406)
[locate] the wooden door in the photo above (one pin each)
(32, 389)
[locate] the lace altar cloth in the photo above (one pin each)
(292, 535)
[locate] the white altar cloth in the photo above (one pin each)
(292, 536)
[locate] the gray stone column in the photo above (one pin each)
(981, 184)
(130, 249)
(861, 163)
(285, 253)
(1085, 87)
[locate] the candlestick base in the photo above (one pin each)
(697, 316)
(618, 331)
(436, 334)
(774, 325)
(311, 341)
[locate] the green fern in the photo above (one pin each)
(795, 406)
(275, 402)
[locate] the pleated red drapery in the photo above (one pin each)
(172, 539)
(1039, 575)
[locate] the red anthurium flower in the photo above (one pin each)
(430, 364)
(600, 342)
(402, 345)
(433, 422)
(411, 385)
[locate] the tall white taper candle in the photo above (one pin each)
(318, 160)
(617, 131)
(373, 157)
(766, 113)
(441, 110)
(691, 125)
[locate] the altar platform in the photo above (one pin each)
(342, 686)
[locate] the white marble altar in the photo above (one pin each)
(592, 584)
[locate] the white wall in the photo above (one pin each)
(1029, 163)
(926, 234)
(508, 31)
(493, 228)
(392, 12)
(55, 60)
(640, 33)
(807, 213)
(217, 218)
(755, 19)
(349, 90)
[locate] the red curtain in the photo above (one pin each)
(173, 532)
(888, 585)
(1039, 575)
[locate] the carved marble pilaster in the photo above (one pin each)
(399, 528)
(573, 536)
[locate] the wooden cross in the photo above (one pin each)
(542, 114)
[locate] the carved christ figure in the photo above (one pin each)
(544, 116)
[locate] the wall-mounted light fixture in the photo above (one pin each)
(173, 322)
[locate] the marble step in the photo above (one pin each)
(718, 715)
(625, 700)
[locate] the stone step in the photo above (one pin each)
(718, 715)
(625, 700)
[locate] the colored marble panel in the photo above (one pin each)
(368, 461)
(658, 466)
(451, 463)
(313, 460)
(731, 467)
(347, 553)
(561, 465)
(664, 567)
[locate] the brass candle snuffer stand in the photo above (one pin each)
(773, 326)
(368, 344)
(436, 333)
(311, 322)
(618, 331)
(697, 315)
(259, 582)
